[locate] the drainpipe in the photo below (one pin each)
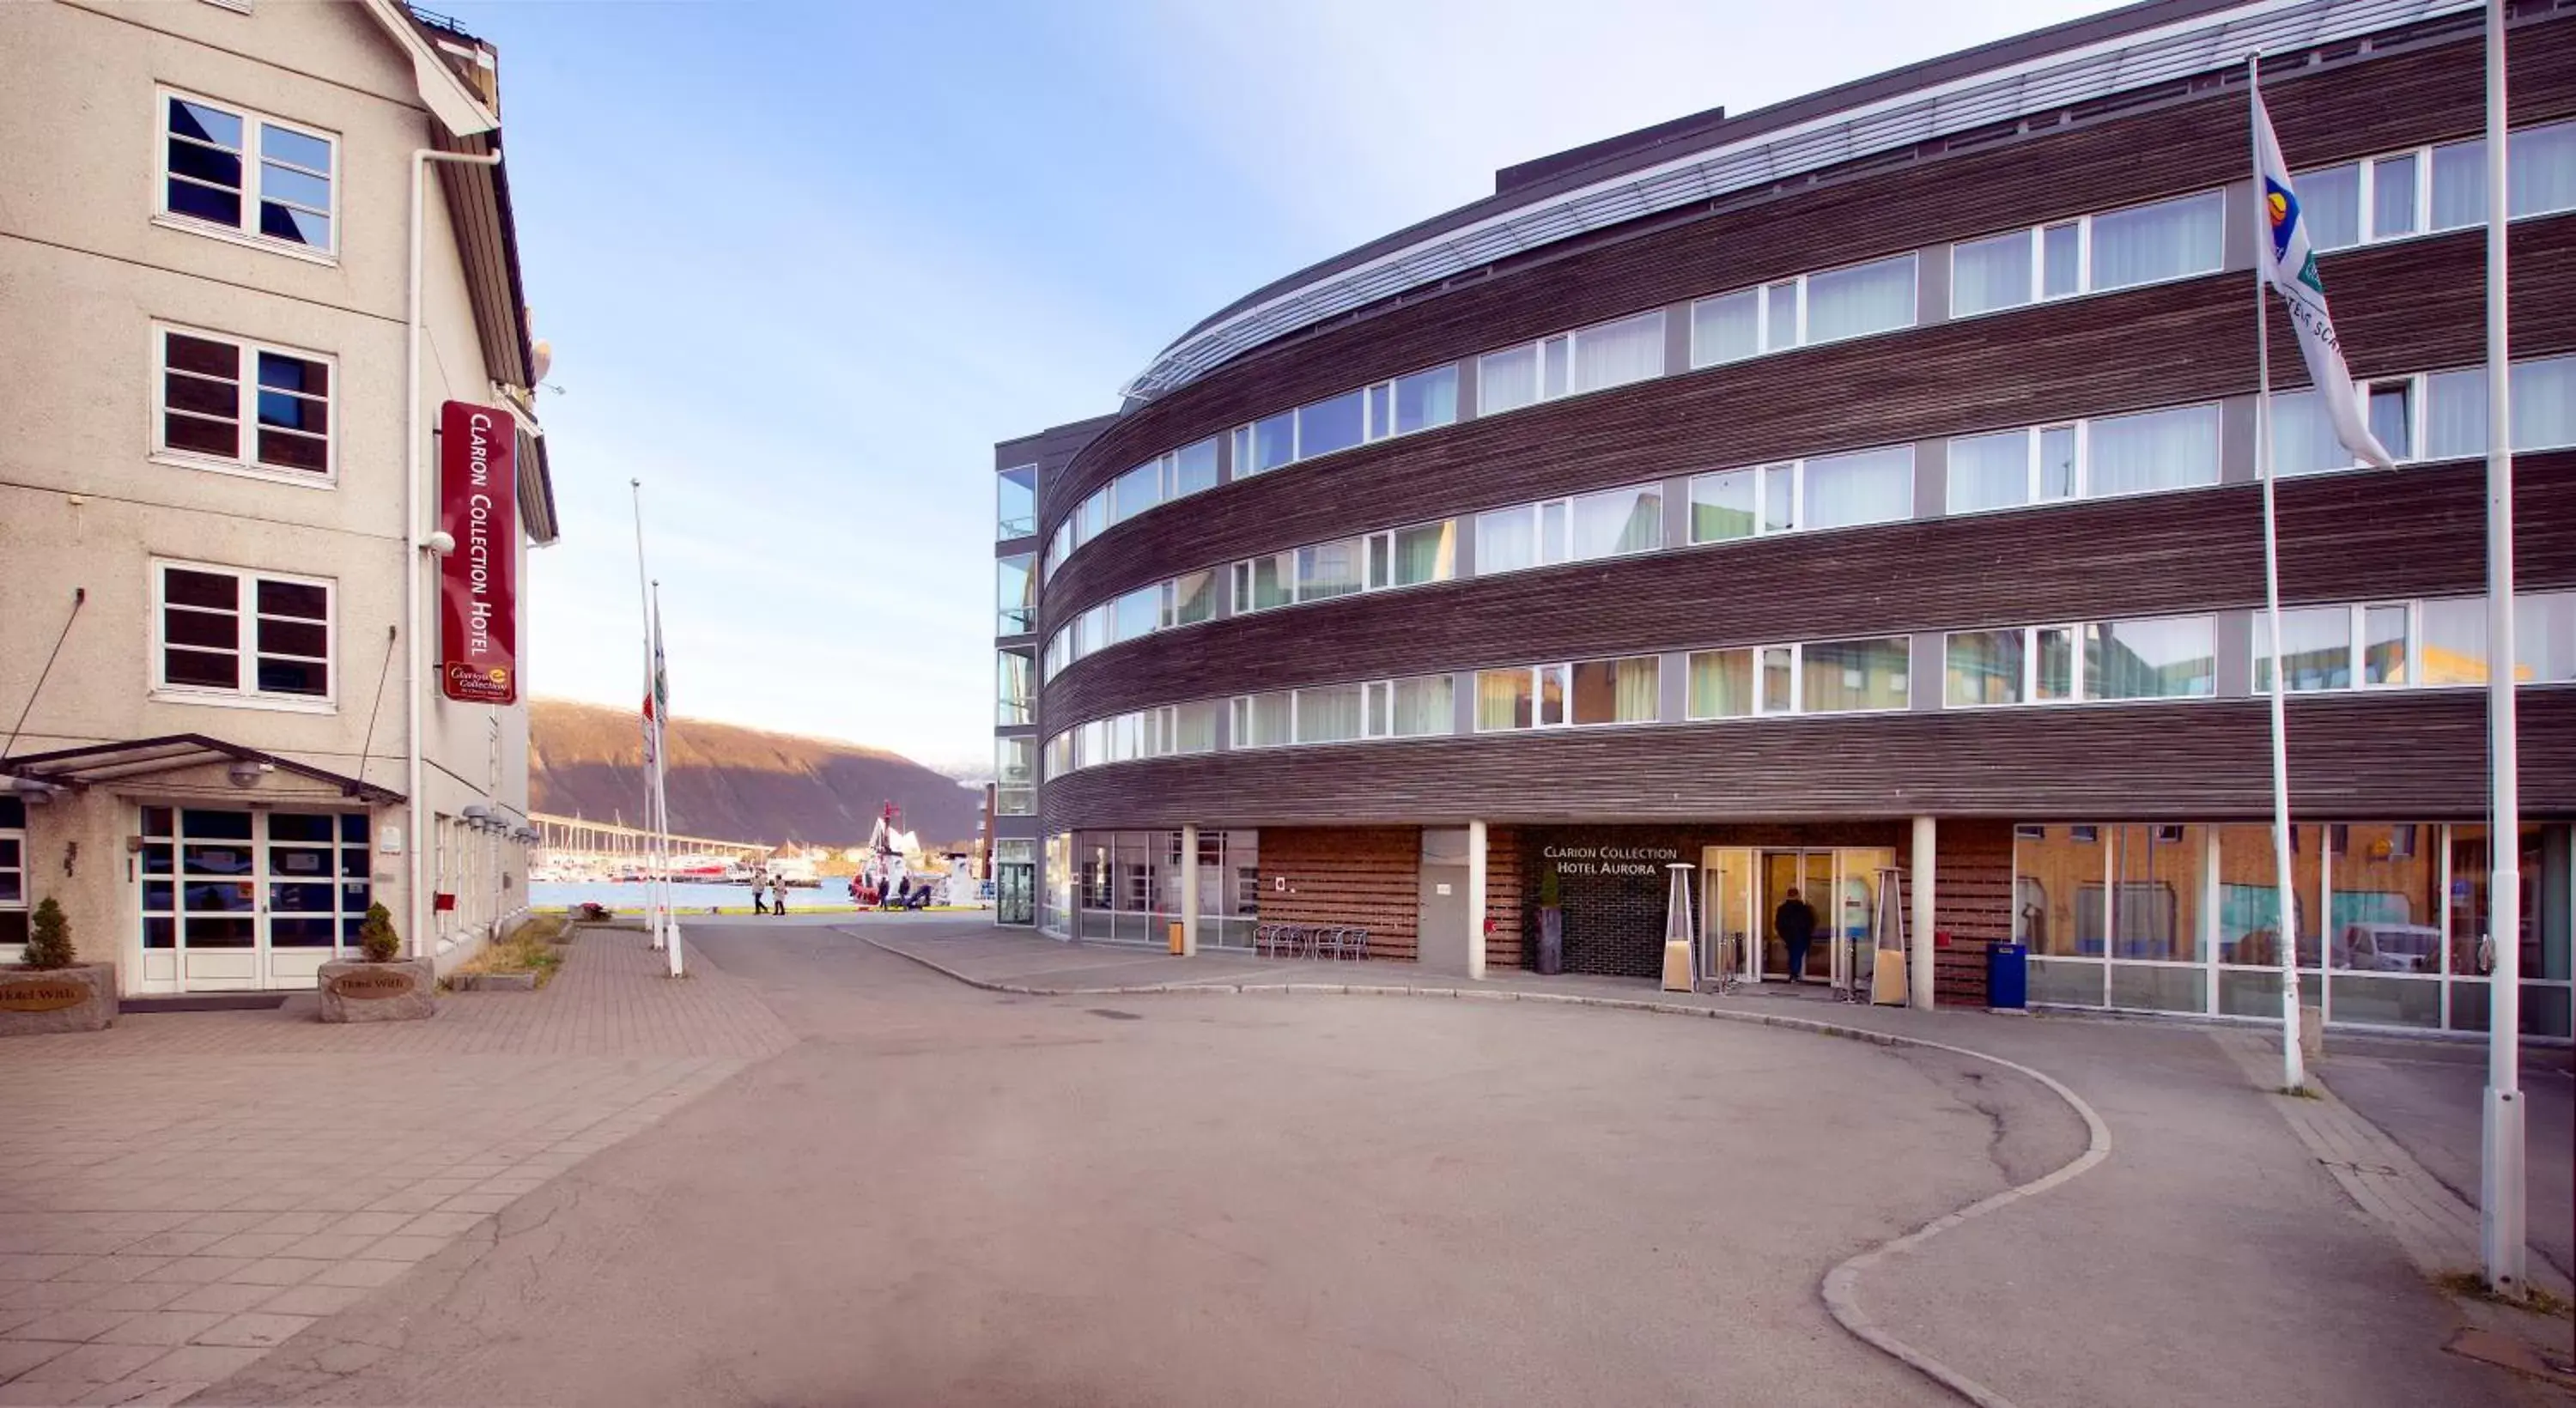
(416, 538)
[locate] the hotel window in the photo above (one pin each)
(244, 405)
(2156, 450)
(1330, 713)
(1135, 491)
(1264, 720)
(2316, 648)
(1571, 364)
(1015, 776)
(1192, 727)
(1014, 687)
(1408, 557)
(1189, 599)
(1328, 570)
(1422, 401)
(1811, 308)
(235, 169)
(1845, 676)
(2544, 409)
(1721, 684)
(1611, 523)
(2168, 658)
(1617, 691)
(1265, 582)
(1830, 491)
(2173, 239)
(1059, 547)
(1531, 696)
(1134, 614)
(221, 632)
(2303, 436)
(2013, 468)
(1092, 519)
(1419, 707)
(1016, 592)
(1015, 502)
(1168, 476)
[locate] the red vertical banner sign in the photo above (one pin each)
(478, 582)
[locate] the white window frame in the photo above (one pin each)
(1378, 399)
(1798, 333)
(2034, 464)
(2030, 667)
(2367, 187)
(1570, 341)
(2356, 617)
(246, 410)
(2085, 286)
(247, 233)
(246, 694)
(1538, 693)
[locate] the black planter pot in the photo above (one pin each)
(1551, 940)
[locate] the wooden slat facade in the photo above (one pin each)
(2331, 113)
(1366, 877)
(1503, 891)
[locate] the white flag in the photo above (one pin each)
(2290, 266)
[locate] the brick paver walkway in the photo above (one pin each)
(184, 1191)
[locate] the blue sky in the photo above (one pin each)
(802, 265)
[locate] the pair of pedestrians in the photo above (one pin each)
(777, 897)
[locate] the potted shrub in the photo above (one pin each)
(382, 986)
(49, 989)
(1551, 924)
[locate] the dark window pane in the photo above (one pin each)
(199, 668)
(285, 449)
(187, 588)
(289, 932)
(204, 437)
(211, 825)
(182, 391)
(205, 897)
(197, 354)
(206, 124)
(156, 821)
(160, 896)
(157, 860)
(299, 599)
(204, 203)
(298, 862)
(13, 813)
(299, 826)
(349, 927)
(160, 933)
(353, 828)
(13, 887)
(280, 183)
(294, 374)
(353, 860)
(13, 926)
(293, 638)
(215, 860)
(354, 899)
(288, 411)
(205, 164)
(219, 933)
(303, 227)
(201, 628)
(279, 144)
(292, 677)
(302, 899)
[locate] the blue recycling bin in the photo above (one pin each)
(2008, 976)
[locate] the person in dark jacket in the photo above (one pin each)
(1796, 924)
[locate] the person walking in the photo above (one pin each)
(778, 895)
(1795, 922)
(757, 906)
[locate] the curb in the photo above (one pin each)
(1841, 1289)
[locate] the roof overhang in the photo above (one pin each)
(457, 107)
(150, 757)
(2201, 41)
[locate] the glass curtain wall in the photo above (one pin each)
(2392, 921)
(1125, 886)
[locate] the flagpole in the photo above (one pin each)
(661, 768)
(2286, 929)
(2501, 1189)
(644, 605)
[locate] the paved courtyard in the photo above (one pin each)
(900, 1188)
(186, 1191)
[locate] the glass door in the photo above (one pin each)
(1807, 877)
(1015, 893)
(1726, 913)
(241, 900)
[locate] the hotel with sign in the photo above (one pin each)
(1859, 497)
(230, 333)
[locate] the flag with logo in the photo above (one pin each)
(2290, 266)
(657, 694)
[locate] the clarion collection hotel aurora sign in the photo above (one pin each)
(478, 587)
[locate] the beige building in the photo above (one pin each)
(208, 338)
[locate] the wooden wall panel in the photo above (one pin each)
(2399, 308)
(2429, 94)
(2412, 756)
(2344, 537)
(1972, 895)
(1503, 898)
(1367, 877)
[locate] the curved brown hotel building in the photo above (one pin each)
(1857, 496)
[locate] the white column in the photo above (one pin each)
(1189, 891)
(1919, 957)
(1476, 899)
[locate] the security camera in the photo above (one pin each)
(440, 541)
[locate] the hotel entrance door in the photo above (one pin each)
(1741, 893)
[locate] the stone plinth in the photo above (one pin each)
(401, 991)
(81, 998)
